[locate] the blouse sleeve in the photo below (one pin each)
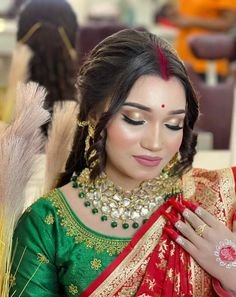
(33, 270)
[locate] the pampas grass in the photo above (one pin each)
(20, 142)
(59, 141)
(18, 73)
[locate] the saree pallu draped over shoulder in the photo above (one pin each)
(154, 265)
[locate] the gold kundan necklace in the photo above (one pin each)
(118, 205)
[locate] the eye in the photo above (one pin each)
(132, 122)
(174, 127)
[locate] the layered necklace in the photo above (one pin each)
(120, 206)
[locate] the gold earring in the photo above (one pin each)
(168, 169)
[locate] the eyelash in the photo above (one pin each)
(136, 123)
(175, 128)
(132, 122)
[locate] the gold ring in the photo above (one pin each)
(200, 229)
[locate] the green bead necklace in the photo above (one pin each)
(118, 205)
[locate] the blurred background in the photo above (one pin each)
(203, 33)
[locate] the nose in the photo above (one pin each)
(152, 139)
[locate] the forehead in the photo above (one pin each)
(154, 92)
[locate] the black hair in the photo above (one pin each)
(51, 64)
(105, 81)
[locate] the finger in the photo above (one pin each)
(183, 242)
(234, 222)
(190, 234)
(208, 218)
(185, 229)
(191, 217)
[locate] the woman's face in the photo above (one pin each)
(146, 132)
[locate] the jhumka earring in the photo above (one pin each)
(89, 138)
(168, 169)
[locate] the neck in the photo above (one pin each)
(124, 181)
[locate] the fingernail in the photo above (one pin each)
(171, 233)
(170, 217)
(190, 205)
(177, 206)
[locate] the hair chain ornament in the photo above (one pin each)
(127, 207)
(91, 131)
(64, 37)
(72, 52)
(226, 253)
(30, 32)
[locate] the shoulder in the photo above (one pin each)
(211, 176)
(43, 210)
(210, 186)
(217, 182)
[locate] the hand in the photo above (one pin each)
(208, 241)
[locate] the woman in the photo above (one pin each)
(118, 222)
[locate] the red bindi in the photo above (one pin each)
(163, 106)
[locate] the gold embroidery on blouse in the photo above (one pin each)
(42, 259)
(49, 219)
(12, 280)
(96, 264)
(80, 233)
(28, 209)
(73, 289)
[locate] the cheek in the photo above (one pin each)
(121, 135)
(174, 143)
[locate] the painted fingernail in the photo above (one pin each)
(171, 233)
(190, 205)
(180, 240)
(170, 217)
(177, 206)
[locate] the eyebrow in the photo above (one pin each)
(143, 107)
(137, 105)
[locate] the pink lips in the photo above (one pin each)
(148, 161)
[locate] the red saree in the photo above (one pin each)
(152, 264)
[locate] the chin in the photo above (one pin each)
(147, 176)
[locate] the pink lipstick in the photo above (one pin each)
(148, 161)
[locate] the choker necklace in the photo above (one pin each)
(116, 204)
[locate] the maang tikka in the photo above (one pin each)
(89, 138)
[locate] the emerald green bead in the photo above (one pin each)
(125, 225)
(81, 194)
(114, 224)
(94, 210)
(86, 203)
(92, 188)
(74, 178)
(74, 184)
(81, 185)
(135, 225)
(104, 218)
(145, 220)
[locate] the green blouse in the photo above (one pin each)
(55, 254)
